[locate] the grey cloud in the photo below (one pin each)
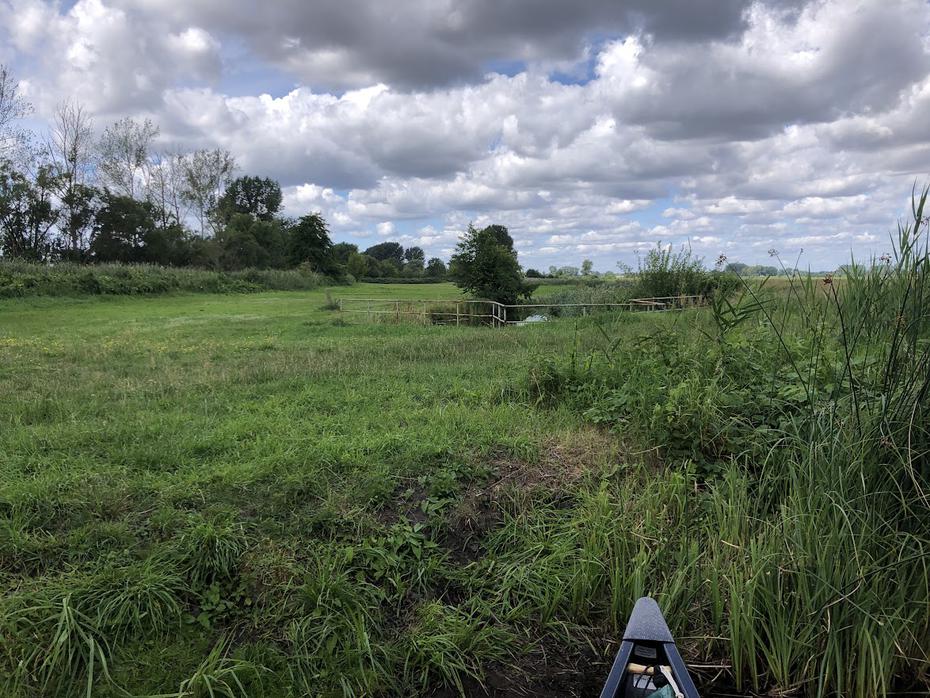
(425, 43)
(829, 61)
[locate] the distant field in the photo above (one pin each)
(443, 291)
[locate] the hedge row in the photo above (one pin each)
(18, 279)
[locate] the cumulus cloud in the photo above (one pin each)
(107, 58)
(426, 43)
(594, 128)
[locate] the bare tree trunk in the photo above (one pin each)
(206, 172)
(124, 154)
(70, 152)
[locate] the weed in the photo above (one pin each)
(220, 676)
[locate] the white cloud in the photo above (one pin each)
(802, 128)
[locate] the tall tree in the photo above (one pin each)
(387, 252)
(343, 250)
(359, 265)
(500, 234)
(70, 154)
(436, 268)
(206, 173)
(248, 242)
(414, 259)
(124, 155)
(165, 187)
(310, 243)
(121, 229)
(487, 268)
(27, 214)
(13, 107)
(257, 196)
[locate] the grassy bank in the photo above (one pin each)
(21, 279)
(786, 522)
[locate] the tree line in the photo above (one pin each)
(117, 197)
(86, 196)
(388, 260)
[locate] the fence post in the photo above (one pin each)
(457, 313)
(504, 320)
(369, 311)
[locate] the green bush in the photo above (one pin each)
(18, 279)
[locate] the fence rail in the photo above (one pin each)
(484, 312)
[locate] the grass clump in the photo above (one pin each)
(210, 550)
(221, 676)
(71, 654)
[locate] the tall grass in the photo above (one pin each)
(803, 420)
(18, 279)
(663, 273)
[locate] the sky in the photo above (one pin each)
(591, 129)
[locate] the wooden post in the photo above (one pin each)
(504, 319)
(457, 313)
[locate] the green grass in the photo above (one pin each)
(255, 495)
(179, 469)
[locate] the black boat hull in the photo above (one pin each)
(648, 664)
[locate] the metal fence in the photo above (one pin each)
(482, 312)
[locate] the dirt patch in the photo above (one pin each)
(405, 504)
(564, 461)
(547, 673)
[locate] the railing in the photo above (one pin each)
(482, 312)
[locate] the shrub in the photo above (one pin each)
(18, 279)
(668, 273)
